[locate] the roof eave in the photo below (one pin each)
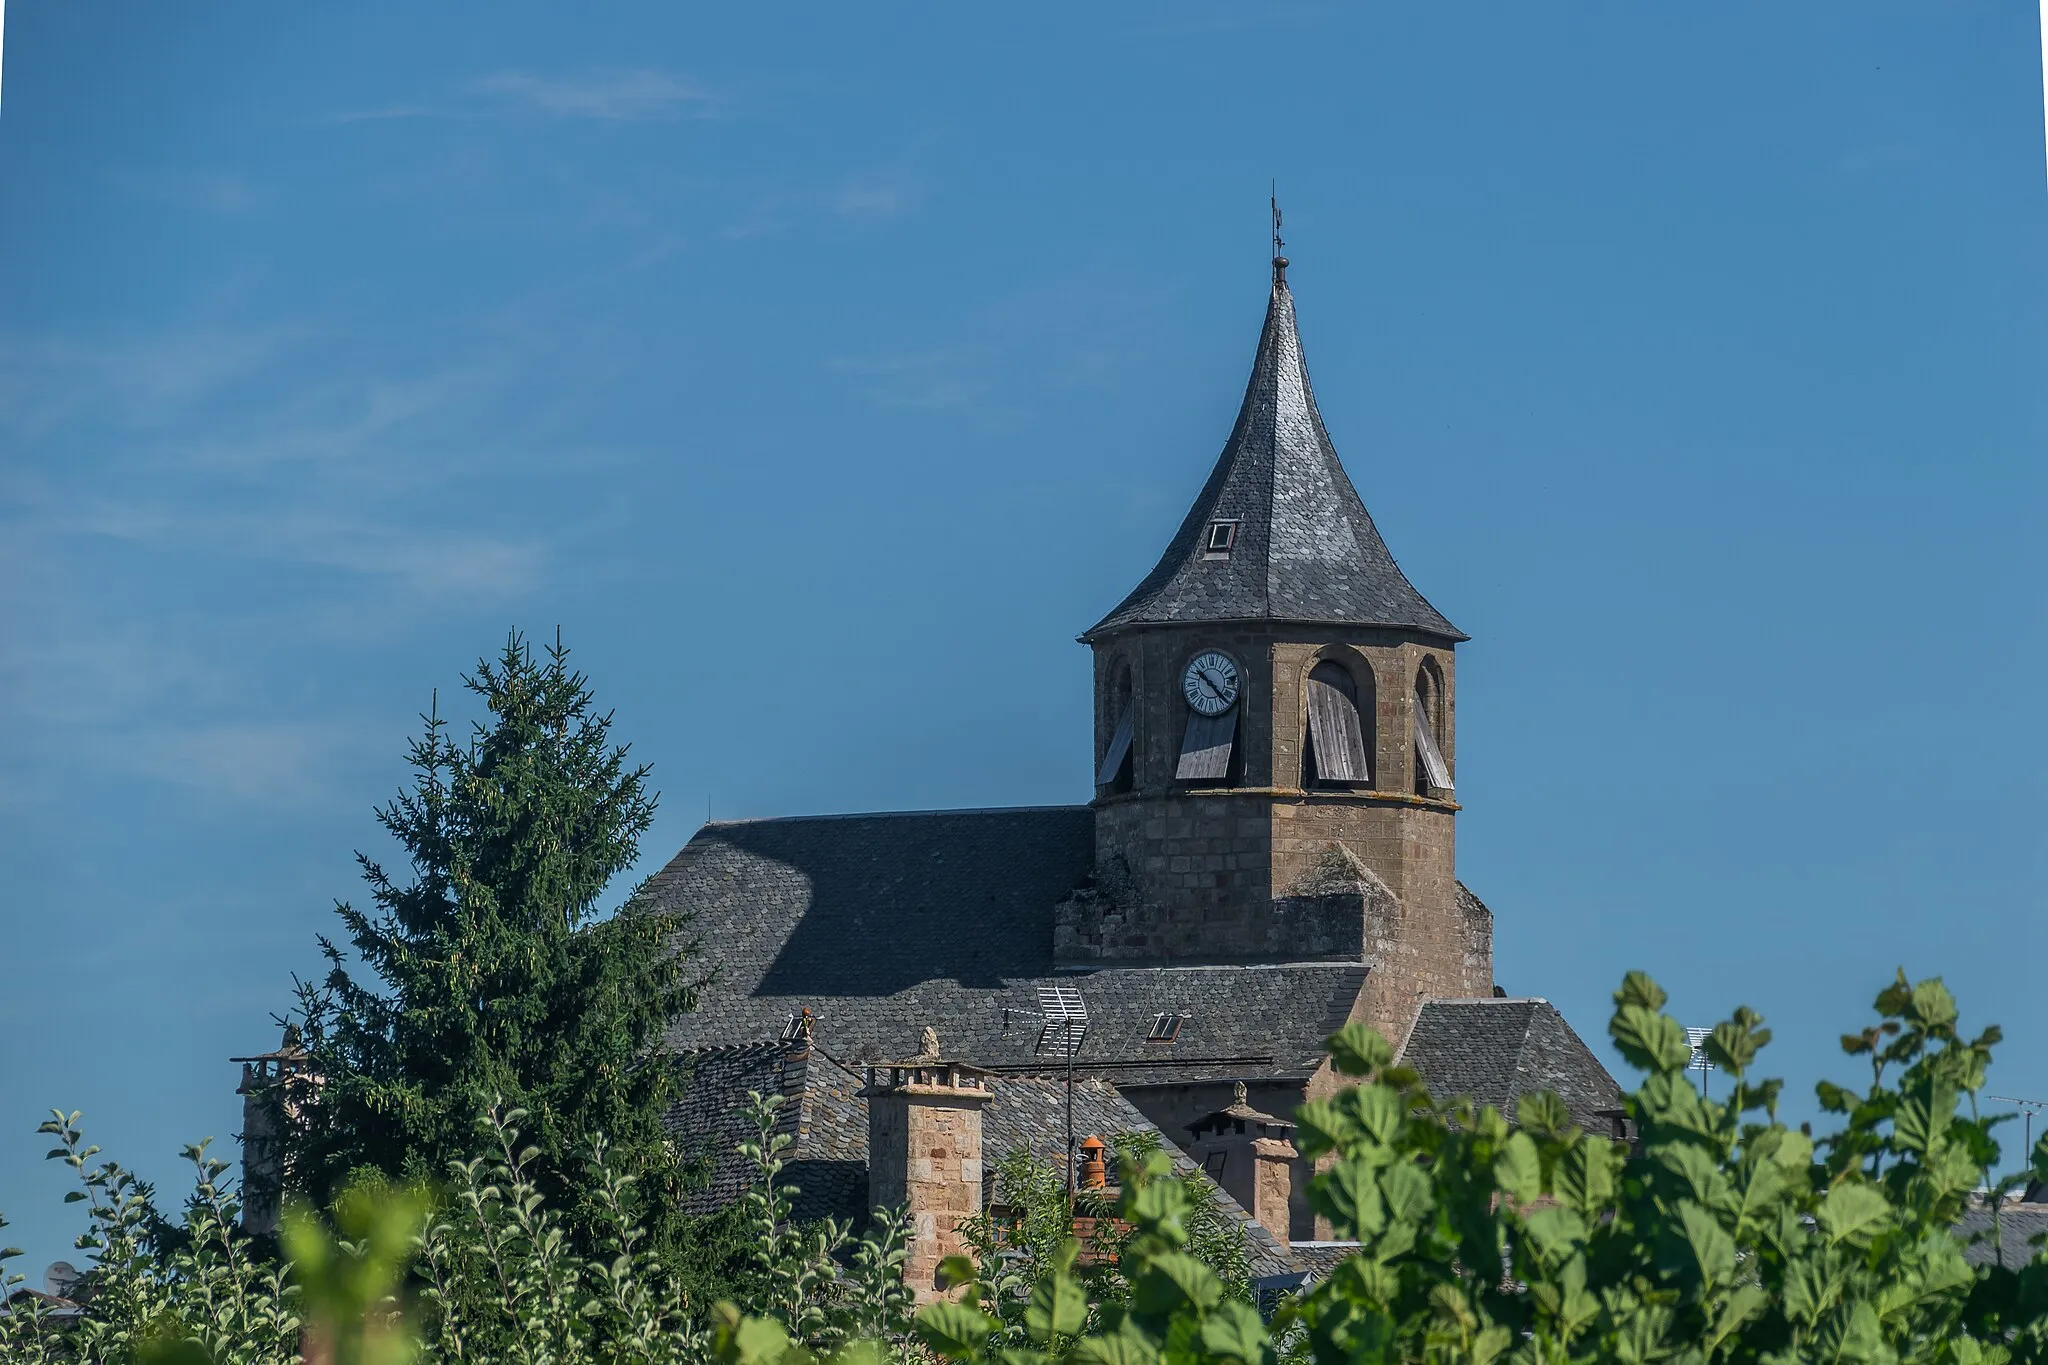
(1106, 628)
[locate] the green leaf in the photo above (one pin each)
(1713, 1250)
(1406, 1189)
(1321, 1126)
(1172, 1281)
(1380, 1112)
(1808, 1291)
(1584, 1176)
(1348, 1195)
(182, 1351)
(1234, 1332)
(747, 1340)
(1932, 1007)
(954, 1329)
(1125, 1347)
(1744, 1302)
(1556, 1233)
(955, 1271)
(1734, 1043)
(1913, 1125)
(1490, 1343)
(1356, 1050)
(1543, 1114)
(1518, 1169)
(1058, 1308)
(1854, 1213)
(1649, 1040)
(1638, 989)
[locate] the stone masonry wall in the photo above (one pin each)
(1172, 1107)
(924, 1155)
(1204, 873)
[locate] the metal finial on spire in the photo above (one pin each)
(1279, 244)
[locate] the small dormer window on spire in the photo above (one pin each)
(1222, 538)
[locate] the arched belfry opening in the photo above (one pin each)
(1432, 773)
(1338, 745)
(1116, 773)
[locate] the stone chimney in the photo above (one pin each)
(274, 1086)
(1250, 1155)
(924, 1153)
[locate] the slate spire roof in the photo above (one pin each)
(1305, 548)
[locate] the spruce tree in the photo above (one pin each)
(486, 972)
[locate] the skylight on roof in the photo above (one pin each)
(1165, 1028)
(1222, 539)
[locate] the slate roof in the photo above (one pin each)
(2018, 1225)
(1496, 1051)
(827, 1117)
(884, 924)
(1306, 549)
(829, 1161)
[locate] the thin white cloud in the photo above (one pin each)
(140, 382)
(639, 95)
(953, 377)
(385, 113)
(877, 197)
(622, 96)
(269, 761)
(429, 561)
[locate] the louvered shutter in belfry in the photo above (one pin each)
(1335, 732)
(1119, 746)
(1205, 753)
(1432, 757)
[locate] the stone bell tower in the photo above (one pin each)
(1275, 731)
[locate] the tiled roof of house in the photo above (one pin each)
(1305, 547)
(882, 925)
(1496, 1051)
(2018, 1226)
(828, 1119)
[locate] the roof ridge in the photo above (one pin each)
(888, 814)
(758, 1044)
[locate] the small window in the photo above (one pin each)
(1222, 539)
(1213, 1164)
(1165, 1028)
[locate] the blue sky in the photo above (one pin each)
(821, 371)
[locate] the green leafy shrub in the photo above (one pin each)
(1021, 1245)
(479, 1269)
(1724, 1235)
(1719, 1234)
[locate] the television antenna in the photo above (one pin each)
(1698, 1061)
(2027, 1108)
(1065, 1017)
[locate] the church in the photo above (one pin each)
(1269, 853)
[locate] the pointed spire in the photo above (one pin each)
(1278, 532)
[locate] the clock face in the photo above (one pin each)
(1211, 682)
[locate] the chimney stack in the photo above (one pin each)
(1251, 1156)
(274, 1087)
(924, 1153)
